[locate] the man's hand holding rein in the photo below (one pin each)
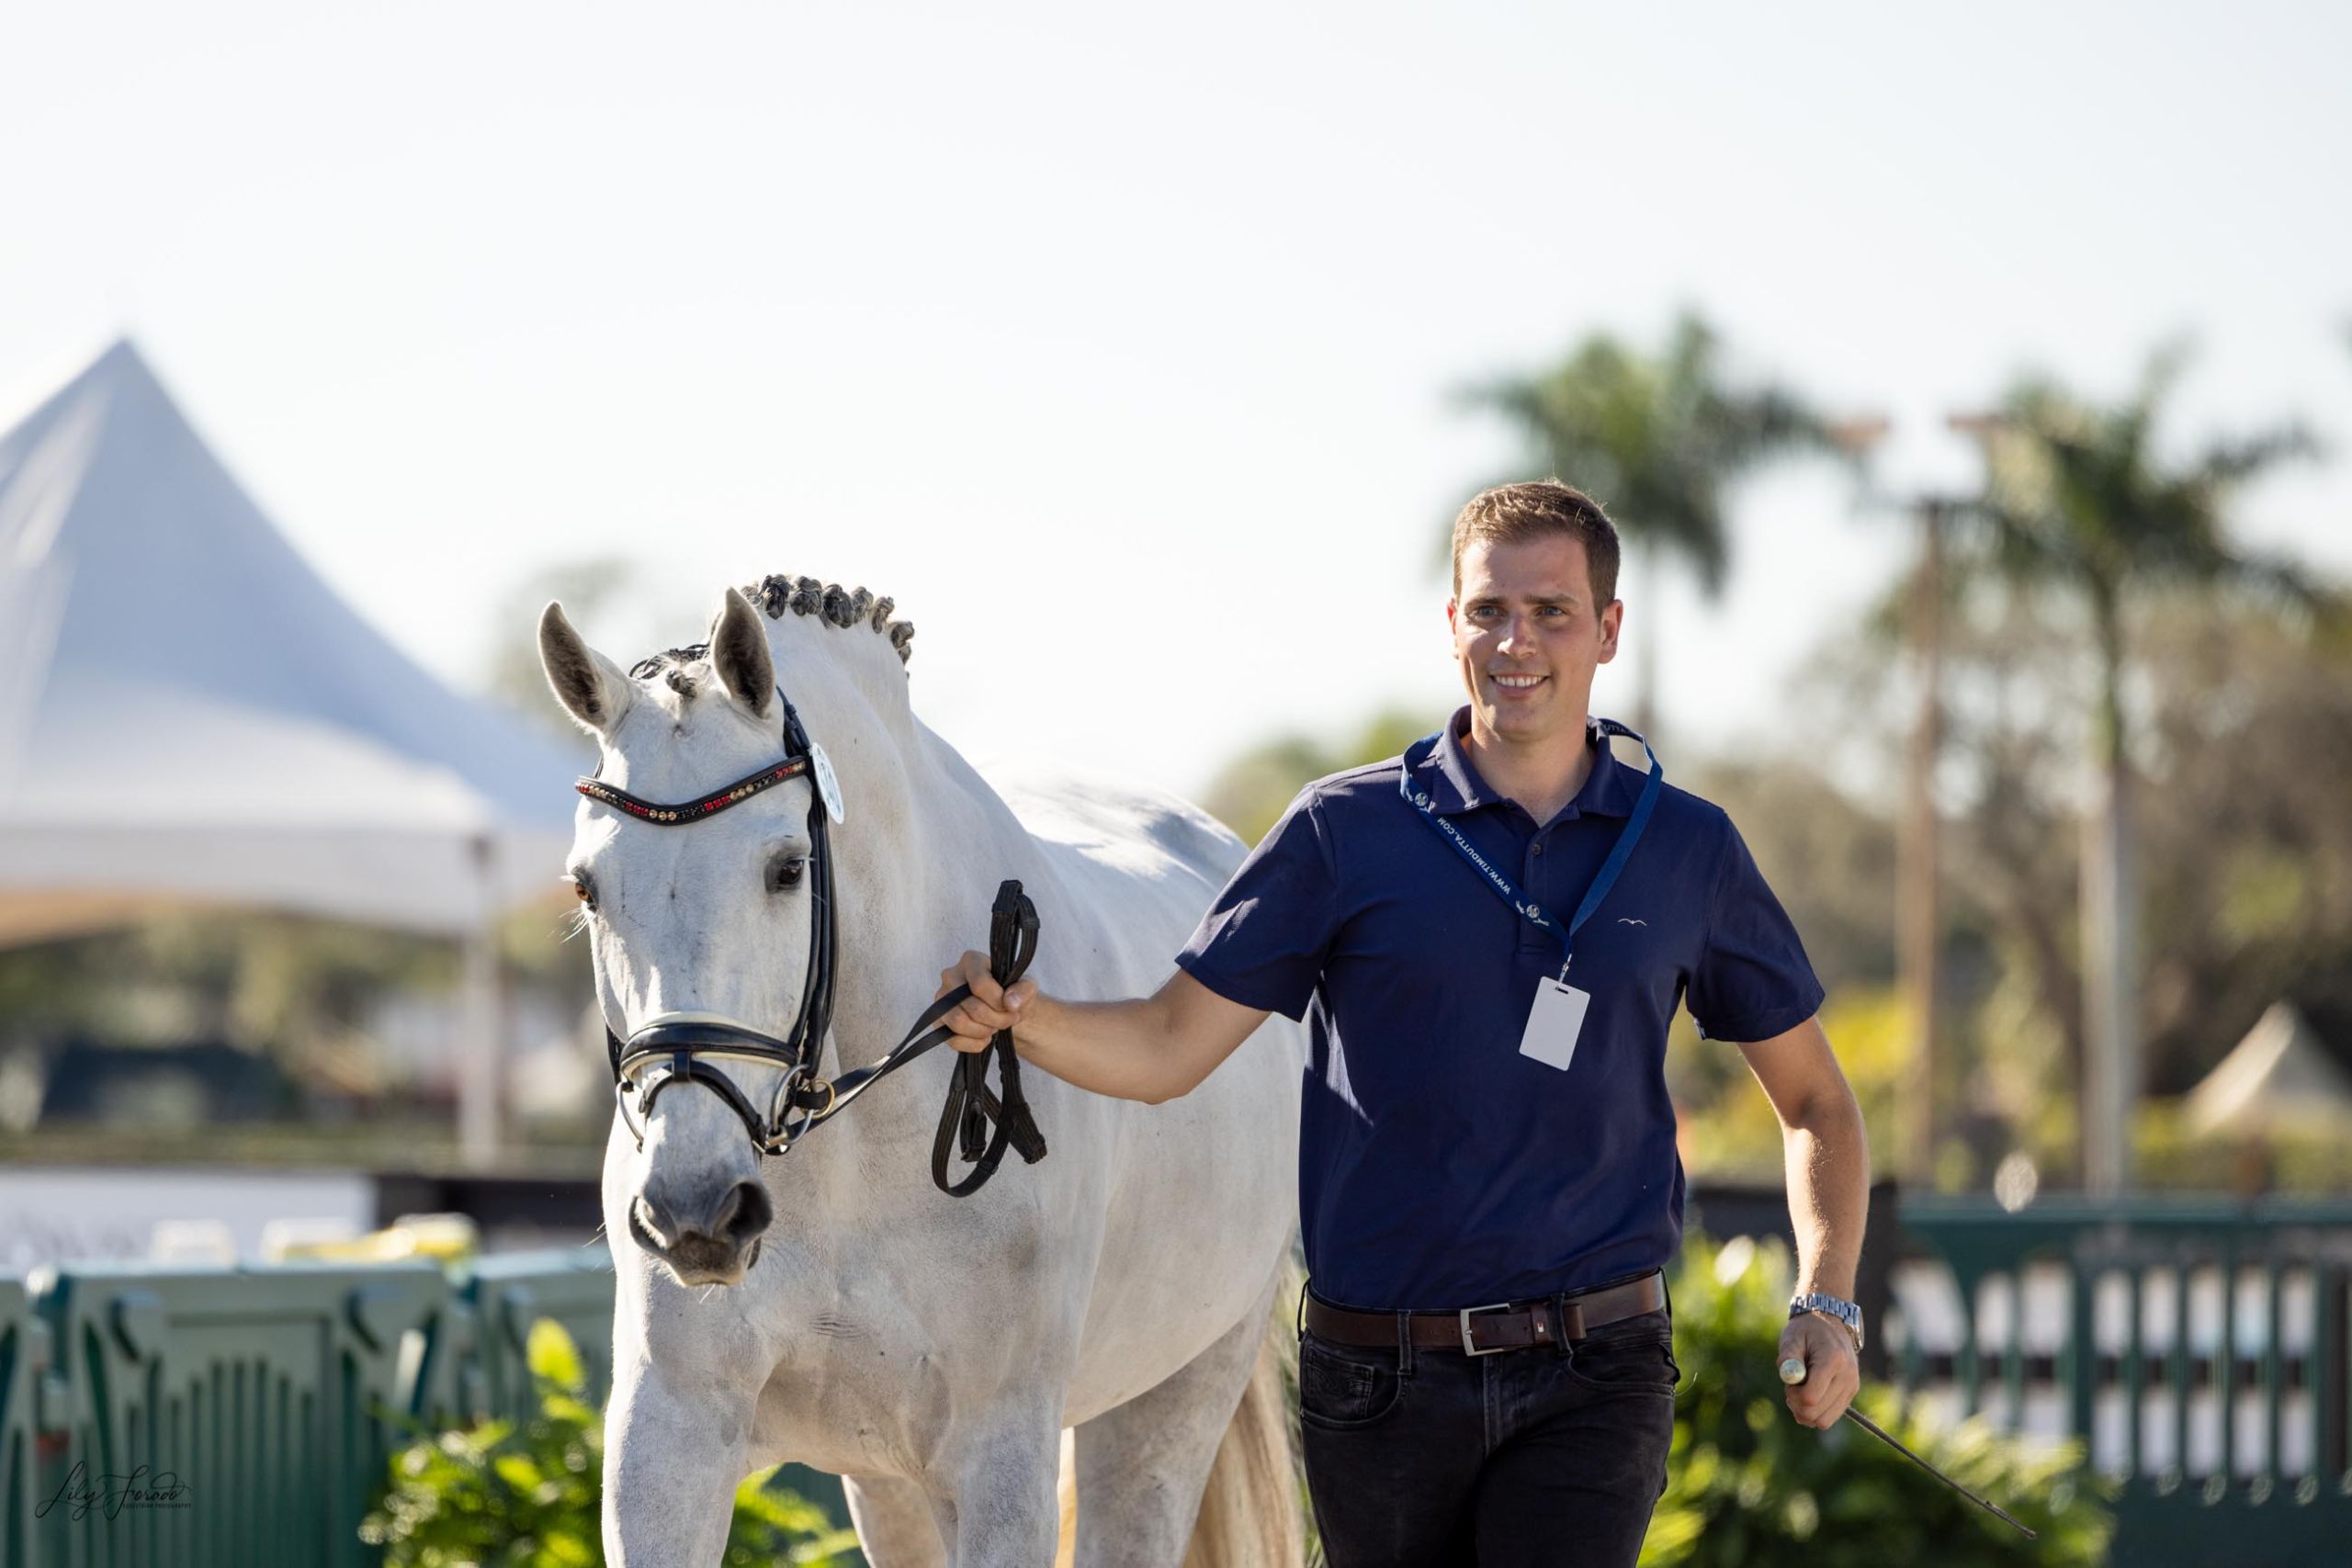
(1152, 1048)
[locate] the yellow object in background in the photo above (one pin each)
(445, 1239)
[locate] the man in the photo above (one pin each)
(1492, 932)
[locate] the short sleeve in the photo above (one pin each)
(1264, 940)
(1753, 981)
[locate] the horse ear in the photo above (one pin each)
(740, 655)
(592, 688)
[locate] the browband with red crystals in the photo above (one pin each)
(709, 805)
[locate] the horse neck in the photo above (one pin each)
(922, 897)
(918, 856)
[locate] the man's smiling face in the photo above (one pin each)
(1528, 637)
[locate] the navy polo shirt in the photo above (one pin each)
(1438, 1166)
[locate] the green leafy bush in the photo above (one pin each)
(499, 1494)
(1747, 1487)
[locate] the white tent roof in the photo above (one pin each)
(189, 715)
(2279, 1072)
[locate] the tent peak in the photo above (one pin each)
(2278, 1070)
(122, 364)
(188, 709)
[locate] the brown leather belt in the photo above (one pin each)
(1507, 1325)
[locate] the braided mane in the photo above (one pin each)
(775, 593)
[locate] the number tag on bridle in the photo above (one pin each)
(829, 788)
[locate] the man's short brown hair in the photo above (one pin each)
(1510, 514)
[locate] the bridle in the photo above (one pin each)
(678, 1047)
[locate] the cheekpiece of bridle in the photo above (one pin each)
(679, 1047)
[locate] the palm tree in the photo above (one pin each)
(2079, 500)
(1657, 439)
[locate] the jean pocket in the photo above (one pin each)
(1637, 1352)
(1335, 1389)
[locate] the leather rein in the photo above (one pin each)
(679, 1047)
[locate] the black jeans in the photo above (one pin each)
(1556, 1456)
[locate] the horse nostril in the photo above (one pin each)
(743, 1213)
(654, 1223)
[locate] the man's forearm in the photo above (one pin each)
(1124, 1049)
(1829, 1162)
(1148, 1048)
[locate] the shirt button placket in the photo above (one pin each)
(1531, 937)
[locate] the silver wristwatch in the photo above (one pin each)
(1844, 1311)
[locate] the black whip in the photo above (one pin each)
(1793, 1371)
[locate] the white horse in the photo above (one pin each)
(931, 1350)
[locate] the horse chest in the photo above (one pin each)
(856, 1402)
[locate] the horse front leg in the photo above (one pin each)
(670, 1468)
(898, 1526)
(1005, 1511)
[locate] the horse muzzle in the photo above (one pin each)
(707, 1232)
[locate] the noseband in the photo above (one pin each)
(679, 1046)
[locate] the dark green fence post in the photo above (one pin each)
(2332, 1374)
(24, 1357)
(2078, 1358)
(2273, 1371)
(2177, 1369)
(2135, 1367)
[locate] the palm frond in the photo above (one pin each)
(2244, 457)
(1656, 438)
(2163, 372)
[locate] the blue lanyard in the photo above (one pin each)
(1508, 890)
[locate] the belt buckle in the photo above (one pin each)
(1470, 1349)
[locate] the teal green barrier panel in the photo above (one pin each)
(504, 1295)
(23, 1358)
(2222, 1317)
(227, 1416)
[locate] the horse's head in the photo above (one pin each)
(703, 926)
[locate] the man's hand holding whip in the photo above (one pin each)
(1798, 1372)
(1829, 1373)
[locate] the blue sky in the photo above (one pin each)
(1118, 347)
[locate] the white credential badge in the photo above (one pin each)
(829, 788)
(1554, 1023)
(1557, 1017)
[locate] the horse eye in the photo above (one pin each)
(584, 890)
(785, 872)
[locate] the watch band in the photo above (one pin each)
(1844, 1310)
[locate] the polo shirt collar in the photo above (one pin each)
(1446, 772)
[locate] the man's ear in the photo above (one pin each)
(740, 655)
(592, 689)
(1613, 621)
